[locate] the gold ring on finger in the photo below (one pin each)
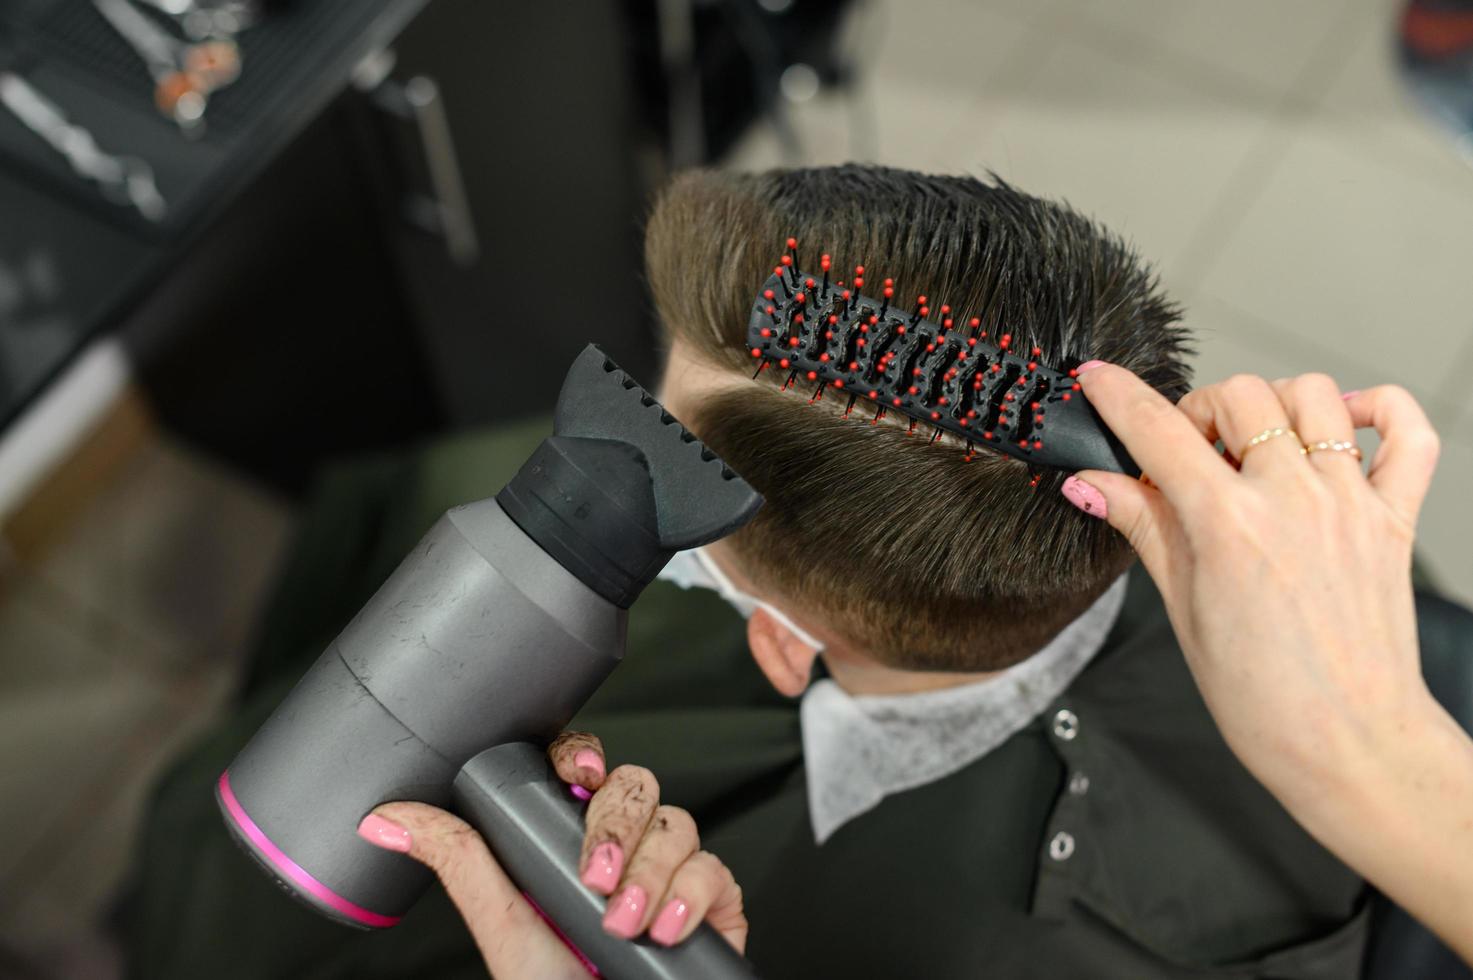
(1267, 435)
(1333, 446)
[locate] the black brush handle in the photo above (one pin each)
(512, 795)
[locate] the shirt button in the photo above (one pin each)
(1079, 784)
(1061, 848)
(1066, 724)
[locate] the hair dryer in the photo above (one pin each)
(491, 634)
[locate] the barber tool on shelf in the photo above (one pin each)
(184, 74)
(448, 685)
(123, 179)
(201, 21)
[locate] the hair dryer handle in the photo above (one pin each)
(534, 825)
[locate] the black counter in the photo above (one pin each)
(73, 264)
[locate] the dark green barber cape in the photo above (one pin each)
(1116, 836)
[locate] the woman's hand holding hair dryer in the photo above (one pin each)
(644, 855)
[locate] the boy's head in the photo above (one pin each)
(896, 545)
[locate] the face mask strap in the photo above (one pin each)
(728, 591)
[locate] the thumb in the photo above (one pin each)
(1132, 507)
(512, 937)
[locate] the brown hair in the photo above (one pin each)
(914, 554)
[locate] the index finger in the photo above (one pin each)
(1162, 441)
(578, 758)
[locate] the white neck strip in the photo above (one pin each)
(858, 750)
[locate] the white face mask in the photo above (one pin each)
(694, 569)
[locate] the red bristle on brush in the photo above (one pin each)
(955, 381)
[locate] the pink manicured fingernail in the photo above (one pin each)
(583, 794)
(1084, 496)
(626, 912)
(1349, 395)
(589, 759)
(604, 866)
(667, 926)
(1089, 366)
(384, 833)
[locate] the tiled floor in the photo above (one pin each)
(115, 647)
(1262, 153)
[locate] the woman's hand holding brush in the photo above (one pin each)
(1286, 571)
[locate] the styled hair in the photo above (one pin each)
(899, 544)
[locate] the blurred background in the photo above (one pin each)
(242, 240)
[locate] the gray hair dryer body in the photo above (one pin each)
(490, 635)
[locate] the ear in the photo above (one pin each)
(786, 660)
